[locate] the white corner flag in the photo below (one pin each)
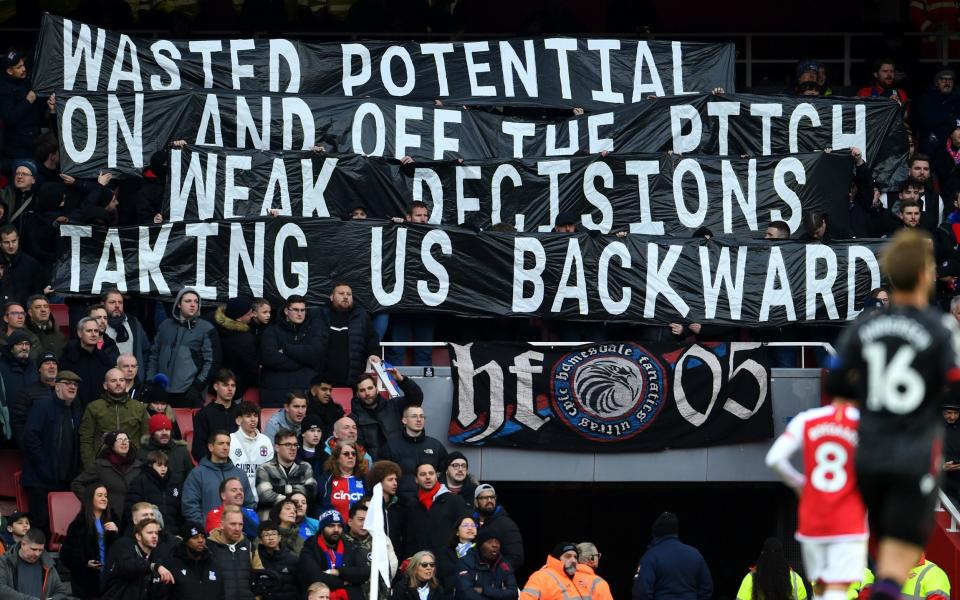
(379, 563)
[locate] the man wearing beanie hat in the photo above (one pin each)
(112, 411)
(484, 574)
(41, 323)
(159, 438)
(16, 368)
(554, 580)
(489, 514)
(671, 569)
(937, 110)
(47, 369)
(195, 576)
(324, 555)
(456, 477)
(237, 342)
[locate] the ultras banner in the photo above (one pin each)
(417, 268)
(648, 194)
(120, 132)
(556, 71)
(610, 397)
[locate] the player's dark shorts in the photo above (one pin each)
(899, 505)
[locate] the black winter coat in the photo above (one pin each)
(24, 277)
(431, 530)
(291, 356)
(117, 481)
(130, 575)
(22, 120)
(238, 350)
(377, 424)
(194, 578)
(44, 443)
(16, 375)
(79, 546)
(90, 366)
(408, 452)
(283, 563)
(178, 456)
(212, 417)
(313, 563)
(164, 492)
(506, 530)
(498, 580)
(403, 591)
(329, 413)
(20, 408)
(362, 341)
(233, 567)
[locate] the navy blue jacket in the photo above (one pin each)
(42, 441)
(672, 570)
(498, 580)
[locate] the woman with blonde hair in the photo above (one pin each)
(420, 582)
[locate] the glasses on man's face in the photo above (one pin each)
(289, 445)
(458, 466)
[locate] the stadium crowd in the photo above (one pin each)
(241, 506)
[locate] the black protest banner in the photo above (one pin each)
(556, 71)
(421, 268)
(648, 194)
(702, 124)
(611, 397)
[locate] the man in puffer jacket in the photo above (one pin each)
(183, 351)
(291, 353)
(238, 344)
(195, 576)
(233, 555)
(279, 559)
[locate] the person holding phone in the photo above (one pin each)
(88, 540)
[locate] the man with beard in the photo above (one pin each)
(884, 72)
(320, 403)
(324, 556)
(160, 439)
(491, 515)
(279, 559)
(40, 322)
(359, 543)
(457, 477)
(233, 555)
(554, 580)
(133, 572)
(46, 375)
(183, 351)
(124, 329)
(432, 513)
(378, 419)
(347, 337)
(484, 574)
(14, 319)
(113, 411)
(195, 577)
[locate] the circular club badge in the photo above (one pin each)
(609, 392)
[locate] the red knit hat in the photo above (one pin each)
(159, 421)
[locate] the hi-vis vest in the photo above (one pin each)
(925, 580)
(796, 583)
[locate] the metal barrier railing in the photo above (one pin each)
(946, 505)
(824, 345)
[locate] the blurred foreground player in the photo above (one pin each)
(832, 521)
(899, 364)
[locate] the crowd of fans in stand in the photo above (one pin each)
(278, 509)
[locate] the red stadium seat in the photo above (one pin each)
(22, 504)
(265, 414)
(63, 508)
(184, 420)
(343, 396)
(441, 356)
(11, 461)
(61, 314)
(252, 395)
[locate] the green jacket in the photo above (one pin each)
(104, 415)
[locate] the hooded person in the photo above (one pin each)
(483, 572)
(24, 113)
(183, 351)
(16, 367)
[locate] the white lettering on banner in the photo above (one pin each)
(246, 125)
(206, 48)
(504, 171)
(644, 170)
(723, 111)
(116, 276)
(149, 259)
(605, 93)
(434, 237)
(430, 177)
(731, 187)
(603, 171)
(475, 68)
(518, 131)
(386, 71)
(689, 219)
(202, 231)
(351, 80)
(526, 70)
(437, 50)
(383, 297)
(854, 254)
(72, 105)
(820, 286)
(297, 108)
(784, 166)
(465, 204)
(87, 52)
(562, 46)
(132, 136)
(288, 52)
(379, 129)
(75, 233)
(277, 183)
(553, 169)
(117, 74)
(467, 414)
(442, 143)
(404, 139)
(240, 252)
(314, 201)
(774, 293)
(297, 268)
(721, 277)
(689, 142)
(524, 369)
(645, 64)
(523, 246)
(857, 139)
(803, 110)
(597, 144)
(210, 116)
(573, 140)
(658, 280)
(182, 185)
(614, 307)
(166, 54)
(766, 112)
(577, 290)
